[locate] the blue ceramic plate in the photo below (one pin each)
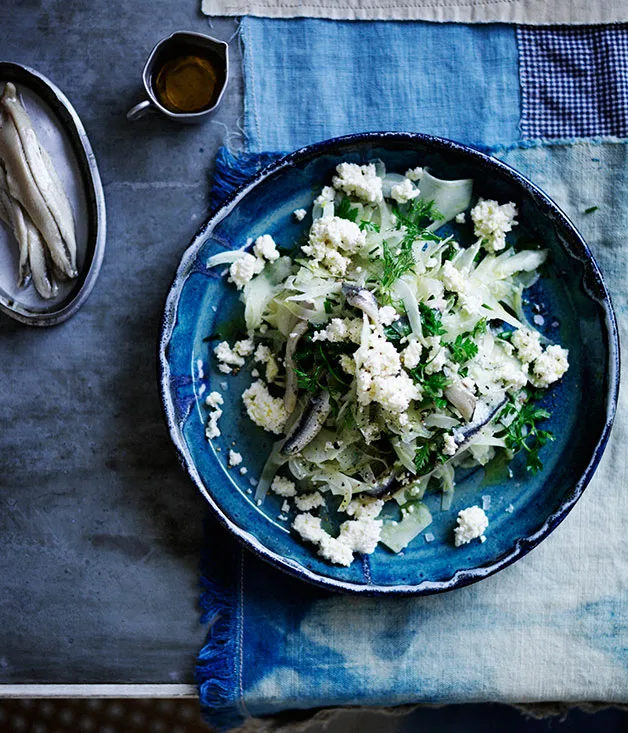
(577, 313)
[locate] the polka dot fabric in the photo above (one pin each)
(101, 716)
(574, 81)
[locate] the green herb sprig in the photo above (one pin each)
(522, 433)
(462, 349)
(431, 320)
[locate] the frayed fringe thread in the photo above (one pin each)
(232, 171)
(216, 666)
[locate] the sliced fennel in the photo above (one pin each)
(416, 344)
(397, 535)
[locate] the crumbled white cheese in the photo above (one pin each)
(244, 269)
(411, 355)
(364, 507)
(361, 535)
(336, 331)
(227, 357)
(486, 502)
(472, 523)
(429, 537)
(404, 191)
(265, 248)
(212, 430)
(415, 174)
(235, 458)
(538, 319)
(380, 378)
(550, 366)
(395, 393)
(381, 358)
(453, 279)
(265, 410)
(450, 446)
(437, 357)
(283, 486)
(527, 343)
(285, 507)
(327, 195)
(492, 222)
(243, 471)
(387, 315)
(299, 214)
(307, 502)
(255, 373)
(244, 347)
(509, 509)
(461, 218)
(214, 399)
(512, 376)
(329, 238)
(264, 355)
(360, 181)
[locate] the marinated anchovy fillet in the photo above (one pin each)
(12, 215)
(406, 354)
(32, 192)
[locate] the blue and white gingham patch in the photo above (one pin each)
(574, 81)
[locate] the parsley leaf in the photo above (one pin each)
(429, 454)
(591, 209)
(480, 327)
(423, 213)
(434, 384)
(316, 365)
(431, 384)
(431, 320)
(397, 330)
(522, 432)
(310, 382)
(369, 226)
(422, 458)
(462, 349)
(345, 211)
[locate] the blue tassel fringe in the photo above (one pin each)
(232, 171)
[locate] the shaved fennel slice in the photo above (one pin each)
(404, 292)
(449, 197)
(405, 452)
(399, 535)
(259, 291)
(273, 463)
(225, 258)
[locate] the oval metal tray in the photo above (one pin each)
(59, 130)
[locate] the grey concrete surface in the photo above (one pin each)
(99, 527)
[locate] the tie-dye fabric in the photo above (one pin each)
(552, 627)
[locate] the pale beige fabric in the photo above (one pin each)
(533, 12)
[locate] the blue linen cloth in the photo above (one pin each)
(309, 80)
(554, 626)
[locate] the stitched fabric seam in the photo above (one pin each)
(249, 64)
(393, 6)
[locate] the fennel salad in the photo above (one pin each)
(384, 354)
